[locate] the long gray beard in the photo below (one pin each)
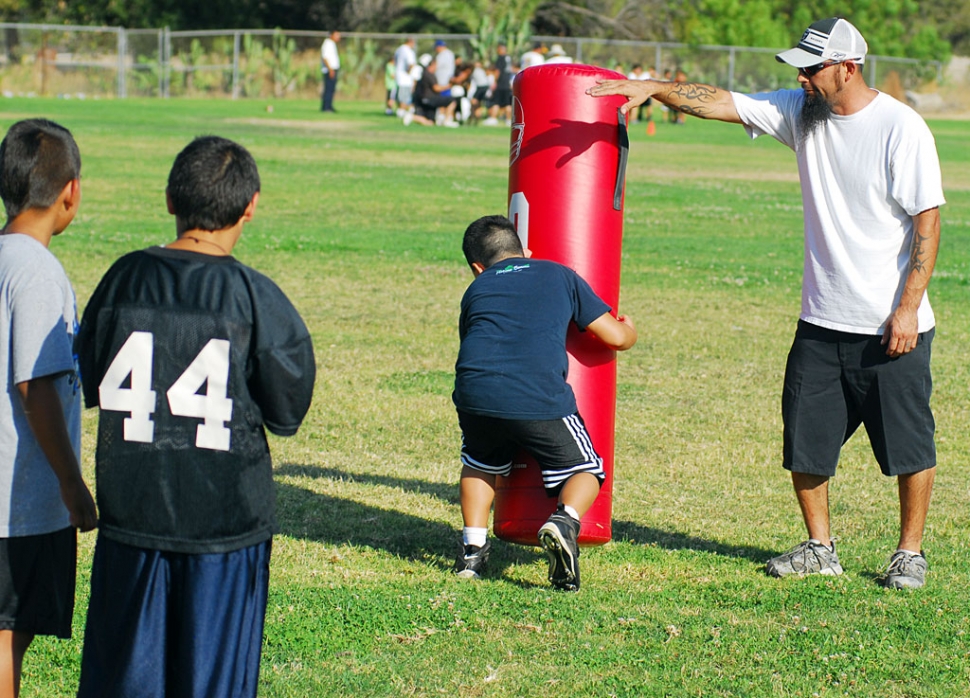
(815, 112)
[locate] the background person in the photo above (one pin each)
(444, 66)
(534, 56)
(557, 54)
(871, 191)
(645, 110)
(429, 98)
(390, 88)
(405, 60)
(330, 67)
(500, 101)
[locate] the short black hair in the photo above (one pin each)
(211, 183)
(491, 239)
(37, 158)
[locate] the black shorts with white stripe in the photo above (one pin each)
(562, 447)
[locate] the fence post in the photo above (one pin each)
(657, 62)
(166, 60)
(235, 64)
(731, 58)
(872, 70)
(122, 63)
(579, 51)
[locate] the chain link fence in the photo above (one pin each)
(69, 61)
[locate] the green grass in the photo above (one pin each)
(360, 222)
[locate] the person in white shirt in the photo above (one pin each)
(871, 192)
(534, 56)
(557, 54)
(445, 62)
(645, 111)
(329, 67)
(405, 59)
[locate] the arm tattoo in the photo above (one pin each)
(694, 97)
(916, 258)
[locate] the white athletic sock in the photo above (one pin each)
(572, 512)
(816, 541)
(908, 552)
(471, 535)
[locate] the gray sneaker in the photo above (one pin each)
(806, 558)
(906, 571)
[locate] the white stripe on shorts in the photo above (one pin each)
(593, 464)
(502, 470)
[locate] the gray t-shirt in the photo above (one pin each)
(38, 319)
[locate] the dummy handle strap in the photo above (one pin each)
(623, 140)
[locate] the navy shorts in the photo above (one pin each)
(37, 578)
(835, 381)
(174, 624)
(562, 447)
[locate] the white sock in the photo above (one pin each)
(908, 552)
(816, 541)
(471, 535)
(572, 512)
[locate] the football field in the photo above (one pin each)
(360, 222)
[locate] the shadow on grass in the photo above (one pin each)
(305, 514)
(447, 492)
(337, 521)
(633, 533)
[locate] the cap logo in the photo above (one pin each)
(813, 41)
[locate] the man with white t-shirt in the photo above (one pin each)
(329, 67)
(404, 60)
(871, 192)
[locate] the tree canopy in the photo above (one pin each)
(892, 27)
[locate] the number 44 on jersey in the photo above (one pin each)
(209, 368)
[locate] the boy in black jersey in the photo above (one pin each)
(189, 355)
(511, 390)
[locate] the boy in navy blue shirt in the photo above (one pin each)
(511, 390)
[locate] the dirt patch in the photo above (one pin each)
(295, 124)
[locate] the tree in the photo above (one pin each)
(735, 23)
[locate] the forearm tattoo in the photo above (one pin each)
(694, 98)
(917, 259)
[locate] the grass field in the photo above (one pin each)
(360, 222)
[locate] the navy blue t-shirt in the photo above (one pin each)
(512, 362)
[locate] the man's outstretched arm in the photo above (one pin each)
(703, 101)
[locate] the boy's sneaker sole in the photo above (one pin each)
(563, 554)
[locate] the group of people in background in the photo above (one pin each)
(442, 88)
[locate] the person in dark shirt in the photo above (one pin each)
(511, 390)
(189, 355)
(429, 97)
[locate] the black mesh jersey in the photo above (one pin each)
(189, 356)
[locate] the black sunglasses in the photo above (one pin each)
(812, 70)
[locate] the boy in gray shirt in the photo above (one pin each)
(43, 498)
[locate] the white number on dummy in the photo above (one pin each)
(210, 368)
(519, 215)
(133, 359)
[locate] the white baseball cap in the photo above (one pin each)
(833, 39)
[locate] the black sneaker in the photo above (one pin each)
(558, 537)
(472, 560)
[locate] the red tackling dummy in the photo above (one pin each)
(567, 162)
